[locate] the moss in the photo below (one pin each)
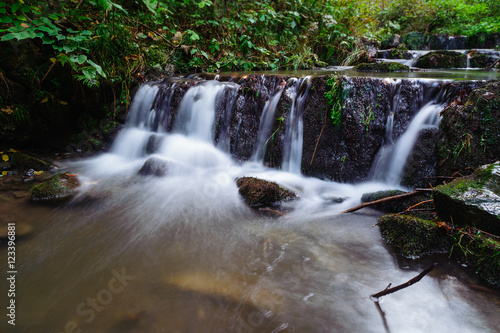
(382, 67)
(413, 236)
(258, 192)
(55, 190)
(22, 162)
(442, 59)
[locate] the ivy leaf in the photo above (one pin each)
(97, 68)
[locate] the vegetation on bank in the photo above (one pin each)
(75, 59)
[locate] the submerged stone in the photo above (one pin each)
(442, 59)
(55, 190)
(258, 193)
(385, 66)
(472, 200)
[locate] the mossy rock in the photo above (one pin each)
(55, 190)
(413, 236)
(385, 66)
(472, 200)
(393, 206)
(22, 162)
(482, 253)
(442, 59)
(479, 60)
(260, 193)
(469, 132)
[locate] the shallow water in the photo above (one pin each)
(178, 254)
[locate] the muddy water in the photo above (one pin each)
(144, 258)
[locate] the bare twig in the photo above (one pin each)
(155, 32)
(322, 128)
(416, 205)
(44, 77)
(417, 278)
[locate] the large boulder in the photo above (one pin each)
(472, 200)
(469, 131)
(260, 193)
(442, 59)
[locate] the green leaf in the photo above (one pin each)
(71, 31)
(48, 40)
(97, 68)
(68, 49)
(3, 10)
(151, 5)
(15, 7)
(8, 36)
(119, 7)
(6, 19)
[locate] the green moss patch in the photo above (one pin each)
(58, 189)
(413, 236)
(385, 66)
(442, 59)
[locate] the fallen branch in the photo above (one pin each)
(372, 203)
(389, 290)
(416, 205)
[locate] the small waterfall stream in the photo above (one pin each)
(183, 253)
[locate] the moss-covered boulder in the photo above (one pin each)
(413, 236)
(470, 131)
(442, 59)
(394, 206)
(472, 200)
(21, 162)
(481, 60)
(260, 193)
(55, 190)
(384, 66)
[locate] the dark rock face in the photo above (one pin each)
(472, 200)
(259, 193)
(420, 168)
(397, 205)
(442, 59)
(469, 131)
(154, 167)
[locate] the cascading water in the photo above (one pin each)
(292, 154)
(265, 126)
(182, 252)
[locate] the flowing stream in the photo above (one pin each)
(183, 253)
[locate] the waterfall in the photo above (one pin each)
(292, 147)
(392, 157)
(266, 125)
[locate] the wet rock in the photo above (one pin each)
(56, 190)
(420, 168)
(22, 162)
(413, 236)
(385, 66)
(154, 167)
(395, 54)
(258, 193)
(391, 42)
(442, 59)
(472, 200)
(393, 206)
(479, 60)
(469, 131)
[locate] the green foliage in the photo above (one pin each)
(335, 97)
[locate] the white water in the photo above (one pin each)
(392, 157)
(199, 260)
